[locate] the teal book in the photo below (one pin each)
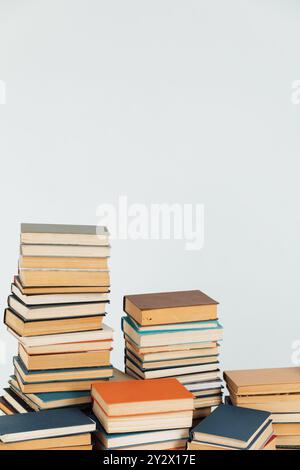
(174, 328)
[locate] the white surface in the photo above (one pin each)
(163, 101)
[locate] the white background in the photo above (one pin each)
(163, 101)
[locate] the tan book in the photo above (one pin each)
(195, 445)
(274, 407)
(59, 234)
(286, 429)
(55, 277)
(288, 441)
(60, 290)
(186, 379)
(58, 386)
(207, 402)
(171, 347)
(47, 327)
(69, 347)
(65, 360)
(263, 381)
(170, 307)
(53, 262)
(48, 443)
(268, 399)
(201, 413)
(172, 355)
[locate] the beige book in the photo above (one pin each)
(65, 360)
(263, 381)
(63, 277)
(63, 262)
(48, 443)
(48, 327)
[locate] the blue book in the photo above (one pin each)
(195, 332)
(48, 423)
(233, 426)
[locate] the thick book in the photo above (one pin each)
(106, 333)
(69, 348)
(17, 402)
(142, 338)
(49, 423)
(65, 360)
(55, 311)
(263, 381)
(231, 426)
(60, 251)
(34, 328)
(64, 277)
(149, 396)
(59, 234)
(62, 262)
(170, 307)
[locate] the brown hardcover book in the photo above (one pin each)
(48, 327)
(263, 381)
(64, 278)
(170, 307)
(65, 360)
(59, 234)
(58, 289)
(53, 262)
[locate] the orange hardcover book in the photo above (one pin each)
(142, 396)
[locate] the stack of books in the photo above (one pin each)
(233, 428)
(175, 334)
(67, 429)
(274, 390)
(56, 311)
(141, 415)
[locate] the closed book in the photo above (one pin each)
(52, 311)
(63, 277)
(264, 381)
(59, 234)
(49, 443)
(62, 290)
(18, 403)
(49, 423)
(163, 364)
(59, 251)
(6, 408)
(170, 307)
(61, 374)
(106, 333)
(150, 396)
(142, 338)
(58, 299)
(62, 348)
(169, 371)
(231, 426)
(47, 327)
(65, 360)
(62, 262)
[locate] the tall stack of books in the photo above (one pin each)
(175, 334)
(67, 429)
(56, 312)
(141, 415)
(233, 428)
(274, 390)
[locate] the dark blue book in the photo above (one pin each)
(48, 423)
(232, 426)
